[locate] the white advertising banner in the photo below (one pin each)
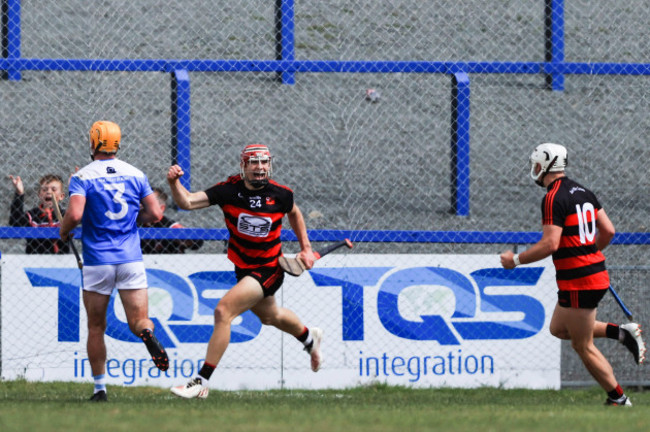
(412, 320)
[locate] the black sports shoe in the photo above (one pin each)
(155, 348)
(100, 396)
(625, 402)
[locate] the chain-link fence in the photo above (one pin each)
(380, 167)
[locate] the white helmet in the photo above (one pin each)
(551, 158)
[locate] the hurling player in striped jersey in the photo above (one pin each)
(253, 206)
(575, 230)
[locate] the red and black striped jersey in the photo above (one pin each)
(579, 265)
(253, 219)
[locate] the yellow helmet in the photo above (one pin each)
(104, 137)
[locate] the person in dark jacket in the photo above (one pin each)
(43, 215)
(166, 246)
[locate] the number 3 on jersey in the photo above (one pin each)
(586, 222)
(117, 197)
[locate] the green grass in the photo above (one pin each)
(29, 406)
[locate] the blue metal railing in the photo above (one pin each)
(367, 236)
(181, 124)
(553, 68)
(554, 40)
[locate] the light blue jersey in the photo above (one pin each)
(113, 190)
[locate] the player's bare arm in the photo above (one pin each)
(72, 216)
(182, 197)
(549, 243)
(150, 211)
(297, 222)
(605, 228)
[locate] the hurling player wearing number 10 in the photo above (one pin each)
(575, 231)
(253, 206)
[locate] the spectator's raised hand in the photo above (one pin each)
(18, 184)
(76, 168)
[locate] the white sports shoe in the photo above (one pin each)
(634, 342)
(193, 389)
(314, 351)
(626, 402)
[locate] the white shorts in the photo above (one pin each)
(103, 278)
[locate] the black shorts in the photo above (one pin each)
(587, 299)
(270, 278)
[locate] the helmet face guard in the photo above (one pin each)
(104, 137)
(255, 153)
(550, 158)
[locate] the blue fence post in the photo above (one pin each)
(181, 127)
(11, 36)
(460, 121)
(285, 36)
(554, 41)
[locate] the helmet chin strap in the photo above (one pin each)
(259, 183)
(540, 180)
(256, 183)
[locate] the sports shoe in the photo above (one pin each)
(626, 402)
(193, 389)
(314, 348)
(155, 348)
(100, 396)
(634, 342)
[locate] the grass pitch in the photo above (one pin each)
(31, 406)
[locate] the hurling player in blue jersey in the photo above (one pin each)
(106, 197)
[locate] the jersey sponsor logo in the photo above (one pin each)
(254, 226)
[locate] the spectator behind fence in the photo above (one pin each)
(40, 216)
(166, 246)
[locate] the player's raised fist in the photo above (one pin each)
(174, 173)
